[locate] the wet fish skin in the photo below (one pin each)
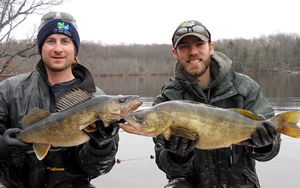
(216, 127)
(64, 128)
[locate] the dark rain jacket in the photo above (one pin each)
(63, 166)
(226, 167)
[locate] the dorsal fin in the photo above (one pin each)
(33, 116)
(247, 113)
(72, 98)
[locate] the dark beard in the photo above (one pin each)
(195, 73)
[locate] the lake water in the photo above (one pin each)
(137, 170)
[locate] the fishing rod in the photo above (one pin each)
(134, 159)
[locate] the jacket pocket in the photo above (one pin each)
(243, 178)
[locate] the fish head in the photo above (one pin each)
(146, 122)
(115, 106)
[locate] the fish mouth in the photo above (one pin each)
(132, 105)
(127, 127)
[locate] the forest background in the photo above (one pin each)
(274, 53)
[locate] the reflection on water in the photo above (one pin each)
(280, 90)
(146, 87)
(138, 170)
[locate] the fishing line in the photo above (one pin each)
(134, 159)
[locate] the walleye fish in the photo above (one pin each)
(76, 110)
(216, 127)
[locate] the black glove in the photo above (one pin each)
(12, 150)
(103, 135)
(264, 135)
(178, 145)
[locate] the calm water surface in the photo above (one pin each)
(137, 170)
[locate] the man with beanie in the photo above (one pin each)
(204, 75)
(57, 72)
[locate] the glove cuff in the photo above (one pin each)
(260, 150)
(181, 158)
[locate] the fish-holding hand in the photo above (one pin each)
(103, 135)
(12, 150)
(264, 135)
(179, 146)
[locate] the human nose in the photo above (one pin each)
(193, 50)
(58, 47)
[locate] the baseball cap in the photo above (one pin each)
(58, 23)
(190, 27)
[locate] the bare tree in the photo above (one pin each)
(14, 13)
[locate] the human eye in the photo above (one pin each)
(200, 43)
(49, 41)
(183, 46)
(66, 41)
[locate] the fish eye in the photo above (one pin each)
(122, 100)
(139, 117)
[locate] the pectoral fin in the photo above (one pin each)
(88, 128)
(41, 150)
(239, 143)
(182, 132)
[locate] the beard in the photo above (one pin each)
(197, 70)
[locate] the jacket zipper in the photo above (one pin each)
(208, 95)
(231, 154)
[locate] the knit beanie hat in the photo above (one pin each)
(58, 23)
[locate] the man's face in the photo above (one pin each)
(58, 53)
(193, 55)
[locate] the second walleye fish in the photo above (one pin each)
(77, 110)
(216, 127)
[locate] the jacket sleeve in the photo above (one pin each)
(257, 103)
(98, 161)
(3, 109)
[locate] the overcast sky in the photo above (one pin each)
(154, 21)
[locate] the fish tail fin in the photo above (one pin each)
(287, 123)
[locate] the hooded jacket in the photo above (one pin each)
(62, 166)
(226, 167)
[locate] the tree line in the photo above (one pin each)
(273, 53)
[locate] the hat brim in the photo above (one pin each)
(191, 34)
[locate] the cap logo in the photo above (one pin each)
(61, 25)
(188, 24)
(63, 28)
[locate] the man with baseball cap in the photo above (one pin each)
(57, 72)
(206, 76)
